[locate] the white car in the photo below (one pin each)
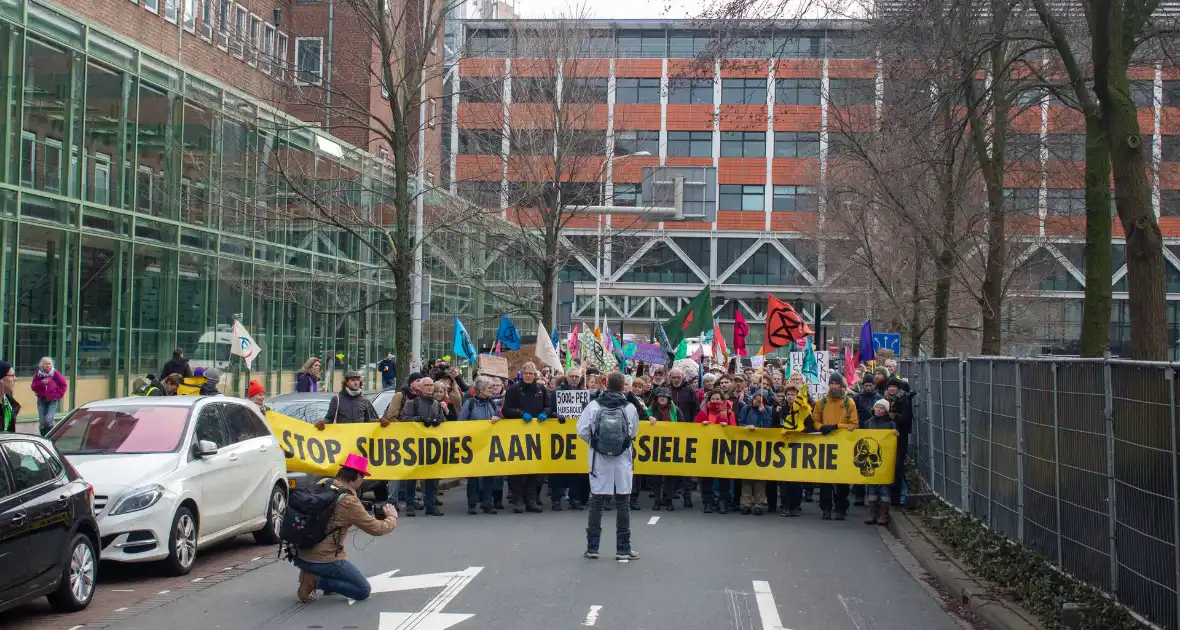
(174, 474)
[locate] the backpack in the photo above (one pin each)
(143, 386)
(611, 437)
(309, 510)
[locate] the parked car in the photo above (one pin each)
(311, 407)
(49, 538)
(175, 474)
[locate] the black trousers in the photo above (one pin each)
(664, 487)
(524, 488)
(707, 490)
(903, 448)
(790, 495)
(580, 488)
(622, 522)
(833, 496)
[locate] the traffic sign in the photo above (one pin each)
(887, 341)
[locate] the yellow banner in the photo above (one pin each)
(514, 447)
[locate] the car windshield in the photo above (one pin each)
(142, 429)
(305, 410)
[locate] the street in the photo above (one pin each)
(526, 571)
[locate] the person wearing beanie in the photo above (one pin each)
(864, 410)
(758, 414)
(663, 409)
(878, 494)
(834, 411)
(212, 378)
(901, 411)
(257, 395)
(9, 408)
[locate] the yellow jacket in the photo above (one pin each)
(839, 412)
(793, 420)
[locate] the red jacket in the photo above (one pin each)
(725, 416)
(50, 387)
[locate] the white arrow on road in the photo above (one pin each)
(430, 617)
(419, 621)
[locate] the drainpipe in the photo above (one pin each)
(328, 71)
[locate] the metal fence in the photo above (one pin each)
(1074, 459)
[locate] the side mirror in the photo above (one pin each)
(204, 448)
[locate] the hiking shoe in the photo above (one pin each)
(796, 512)
(433, 511)
(841, 515)
(625, 556)
(517, 508)
(308, 583)
(487, 509)
(499, 505)
(471, 510)
(575, 505)
(556, 506)
(590, 554)
(708, 509)
(827, 515)
(534, 508)
(635, 505)
(784, 512)
(746, 510)
(759, 511)
(723, 509)
(409, 511)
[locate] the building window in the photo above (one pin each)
(743, 144)
(28, 159)
(101, 193)
(190, 15)
(796, 144)
(799, 45)
(743, 91)
(1024, 147)
(152, 5)
(1171, 149)
(1068, 147)
(480, 142)
(170, 10)
(848, 144)
(241, 19)
(690, 91)
(208, 9)
(631, 142)
(581, 193)
(690, 144)
(584, 143)
(490, 43)
(1065, 202)
(255, 39)
(683, 44)
(1171, 94)
(1143, 93)
(846, 92)
(309, 60)
(534, 90)
(486, 194)
(433, 120)
(143, 190)
(592, 91)
(1170, 203)
(481, 89)
(629, 195)
(648, 44)
(637, 91)
(843, 46)
(796, 91)
(1022, 200)
(748, 197)
(523, 142)
(794, 199)
(51, 152)
(280, 56)
(268, 48)
(224, 17)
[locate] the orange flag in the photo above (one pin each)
(783, 325)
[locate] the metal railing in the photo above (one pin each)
(1074, 459)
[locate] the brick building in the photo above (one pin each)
(765, 117)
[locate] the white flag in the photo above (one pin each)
(243, 344)
(545, 350)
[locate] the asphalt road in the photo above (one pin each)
(526, 572)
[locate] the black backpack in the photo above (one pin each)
(611, 436)
(309, 510)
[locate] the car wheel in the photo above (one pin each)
(77, 577)
(275, 508)
(182, 543)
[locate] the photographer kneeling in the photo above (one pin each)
(323, 564)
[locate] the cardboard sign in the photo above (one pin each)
(820, 387)
(649, 353)
(757, 361)
(493, 366)
(570, 402)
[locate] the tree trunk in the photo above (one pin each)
(916, 303)
(1095, 339)
(945, 261)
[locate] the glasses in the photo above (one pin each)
(527, 373)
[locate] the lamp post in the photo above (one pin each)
(599, 247)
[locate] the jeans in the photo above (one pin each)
(622, 522)
(877, 492)
(479, 490)
(339, 576)
(833, 496)
(431, 493)
(46, 410)
(407, 491)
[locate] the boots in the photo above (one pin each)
(883, 513)
(872, 519)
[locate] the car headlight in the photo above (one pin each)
(138, 499)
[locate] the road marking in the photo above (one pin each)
(592, 616)
(653, 520)
(431, 617)
(121, 609)
(163, 592)
(767, 609)
(852, 608)
(255, 559)
(228, 569)
(76, 627)
(122, 590)
(197, 579)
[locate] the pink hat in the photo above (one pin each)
(357, 463)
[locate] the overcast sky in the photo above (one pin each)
(612, 9)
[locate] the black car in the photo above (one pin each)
(48, 535)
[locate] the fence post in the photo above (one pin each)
(1170, 378)
(929, 403)
(991, 413)
(1057, 463)
(1019, 460)
(1111, 505)
(964, 376)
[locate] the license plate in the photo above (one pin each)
(291, 483)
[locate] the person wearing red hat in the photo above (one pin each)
(257, 395)
(325, 566)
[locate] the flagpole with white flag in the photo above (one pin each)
(243, 344)
(545, 350)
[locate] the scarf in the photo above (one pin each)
(48, 374)
(718, 412)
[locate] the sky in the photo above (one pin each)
(613, 9)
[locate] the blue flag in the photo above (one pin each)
(866, 342)
(507, 335)
(463, 347)
(810, 364)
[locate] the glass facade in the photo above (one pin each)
(143, 207)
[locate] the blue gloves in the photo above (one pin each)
(528, 417)
(542, 418)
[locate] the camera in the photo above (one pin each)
(378, 510)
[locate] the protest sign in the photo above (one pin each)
(822, 357)
(570, 402)
(650, 353)
(493, 365)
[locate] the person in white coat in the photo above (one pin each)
(610, 474)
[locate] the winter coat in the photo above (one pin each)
(717, 416)
(388, 370)
(477, 408)
(176, 366)
(671, 414)
(349, 512)
(752, 417)
(528, 398)
(880, 422)
(50, 387)
(424, 410)
(15, 406)
(685, 399)
(837, 412)
(209, 389)
(797, 418)
(901, 410)
(393, 413)
(609, 475)
(640, 406)
(347, 409)
(864, 405)
(305, 382)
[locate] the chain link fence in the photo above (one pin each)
(1073, 459)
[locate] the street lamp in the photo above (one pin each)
(598, 224)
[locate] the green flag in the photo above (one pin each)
(693, 320)
(681, 350)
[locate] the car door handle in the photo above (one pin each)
(262, 448)
(233, 458)
(18, 519)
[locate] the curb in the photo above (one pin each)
(977, 595)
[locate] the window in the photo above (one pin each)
(584, 143)
(480, 142)
(843, 46)
(1065, 202)
(530, 142)
(52, 166)
(268, 48)
(28, 159)
(846, 144)
(641, 44)
(143, 189)
(581, 193)
(630, 142)
(190, 15)
(1028, 97)
(1171, 149)
(796, 91)
(1171, 94)
(152, 5)
(749, 197)
(743, 91)
(1022, 200)
(280, 55)
(534, 90)
(243, 425)
(255, 40)
(1143, 93)
(1066, 147)
(485, 194)
(101, 191)
(688, 43)
(744, 144)
(794, 199)
(582, 90)
(629, 195)
(209, 426)
(690, 91)
(799, 45)
(241, 19)
(1024, 147)
(1170, 203)
(481, 89)
(490, 43)
(433, 120)
(224, 17)
(846, 92)
(796, 144)
(170, 10)
(28, 465)
(309, 60)
(637, 91)
(208, 11)
(690, 144)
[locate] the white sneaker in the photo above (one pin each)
(626, 557)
